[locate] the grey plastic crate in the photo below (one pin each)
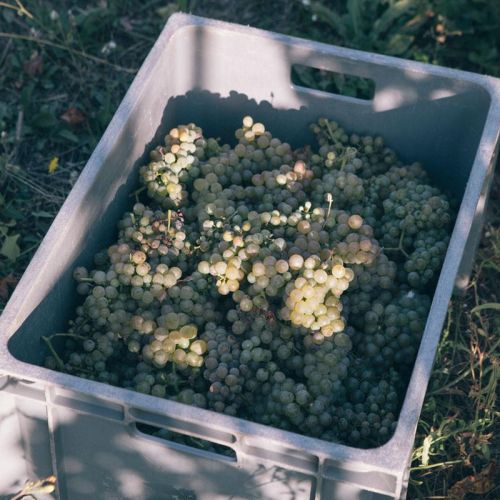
(213, 73)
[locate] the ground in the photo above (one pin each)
(65, 66)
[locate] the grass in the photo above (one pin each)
(65, 67)
(457, 437)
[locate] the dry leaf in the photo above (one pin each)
(479, 484)
(34, 66)
(10, 247)
(53, 164)
(426, 449)
(73, 116)
(127, 25)
(4, 285)
(31, 488)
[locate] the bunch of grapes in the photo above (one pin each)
(288, 287)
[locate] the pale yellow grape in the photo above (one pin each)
(192, 359)
(232, 273)
(176, 271)
(349, 274)
(233, 285)
(258, 269)
(199, 347)
(320, 276)
(220, 268)
(308, 291)
(263, 281)
(258, 129)
(227, 254)
(281, 266)
(338, 325)
(281, 179)
(179, 356)
(168, 345)
(355, 221)
(296, 317)
(300, 282)
(308, 320)
(296, 294)
(320, 310)
(338, 271)
(331, 301)
(188, 331)
(311, 262)
(249, 135)
(327, 330)
(308, 273)
(247, 121)
(246, 305)
(302, 307)
(183, 343)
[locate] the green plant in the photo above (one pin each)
(46, 70)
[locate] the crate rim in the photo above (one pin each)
(489, 83)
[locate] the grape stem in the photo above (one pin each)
(67, 335)
(48, 341)
(399, 248)
(343, 163)
(176, 382)
(330, 132)
(329, 199)
(137, 192)
(59, 361)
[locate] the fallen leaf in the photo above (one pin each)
(4, 285)
(426, 449)
(53, 164)
(47, 485)
(127, 25)
(168, 10)
(73, 116)
(478, 484)
(34, 66)
(10, 248)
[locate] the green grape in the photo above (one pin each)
(285, 286)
